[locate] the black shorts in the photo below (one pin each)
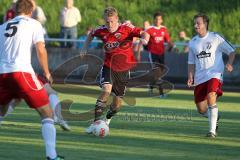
(117, 79)
(156, 59)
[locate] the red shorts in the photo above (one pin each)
(22, 85)
(42, 79)
(201, 91)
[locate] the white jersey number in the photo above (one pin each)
(11, 26)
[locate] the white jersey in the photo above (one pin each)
(206, 53)
(17, 37)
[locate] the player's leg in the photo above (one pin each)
(56, 107)
(153, 81)
(100, 106)
(114, 108)
(6, 95)
(214, 90)
(120, 80)
(36, 97)
(212, 113)
(5, 110)
(160, 60)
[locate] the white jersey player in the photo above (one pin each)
(206, 67)
(17, 78)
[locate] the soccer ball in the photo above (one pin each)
(101, 129)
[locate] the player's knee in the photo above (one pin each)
(45, 112)
(201, 109)
(212, 96)
(107, 88)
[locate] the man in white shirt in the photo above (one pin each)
(17, 78)
(206, 67)
(69, 18)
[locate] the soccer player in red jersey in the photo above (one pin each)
(119, 59)
(17, 77)
(157, 36)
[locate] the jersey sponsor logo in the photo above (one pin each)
(158, 39)
(118, 35)
(203, 54)
(111, 45)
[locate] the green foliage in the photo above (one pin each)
(224, 14)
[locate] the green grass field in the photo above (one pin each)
(153, 129)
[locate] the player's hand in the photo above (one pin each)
(49, 78)
(190, 82)
(229, 67)
(83, 52)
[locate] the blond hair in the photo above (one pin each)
(110, 11)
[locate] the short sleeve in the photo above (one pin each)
(191, 57)
(38, 34)
(133, 31)
(166, 36)
(224, 45)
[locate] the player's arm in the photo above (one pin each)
(43, 59)
(231, 58)
(143, 41)
(191, 70)
(167, 39)
(86, 44)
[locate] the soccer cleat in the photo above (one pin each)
(90, 129)
(57, 158)
(211, 135)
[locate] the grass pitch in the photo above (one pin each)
(153, 129)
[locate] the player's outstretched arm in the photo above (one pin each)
(143, 41)
(231, 58)
(86, 44)
(43, 60)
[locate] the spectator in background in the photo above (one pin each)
(84, 37)
(183, 40)
(10, 14)
(69, 18)
(39, 15)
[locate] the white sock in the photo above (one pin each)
(49, 137)
(54, 103)
(212, 118)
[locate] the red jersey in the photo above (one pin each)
(10, 14)
(157, 39)
(118, 46)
